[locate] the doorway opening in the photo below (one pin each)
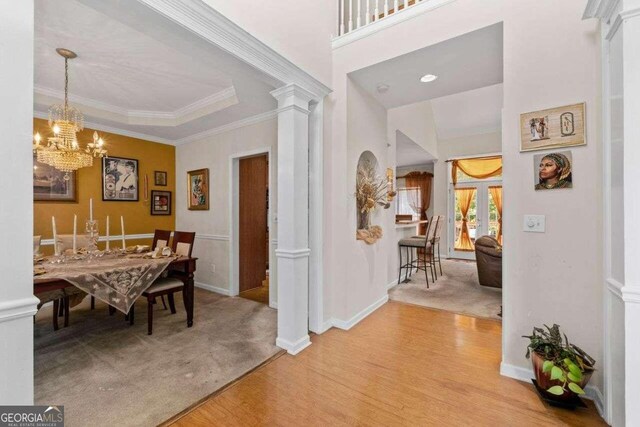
(253, 237)
(476, 204)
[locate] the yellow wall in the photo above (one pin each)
(151, 157)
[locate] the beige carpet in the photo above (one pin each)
(457, 290)
(107, 373)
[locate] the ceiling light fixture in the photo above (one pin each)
(428, 78)
(63, 151)
(382, 88)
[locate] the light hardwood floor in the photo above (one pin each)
(403, 365)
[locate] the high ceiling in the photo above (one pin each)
(408, 153)
(468, 113)
(139, 73)
(464, 63)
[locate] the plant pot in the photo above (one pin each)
(545, 382)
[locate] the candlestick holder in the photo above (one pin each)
(91, 233)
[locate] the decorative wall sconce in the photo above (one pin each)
(390, 191)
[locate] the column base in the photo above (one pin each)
(294, 348)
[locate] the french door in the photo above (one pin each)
(473, 212)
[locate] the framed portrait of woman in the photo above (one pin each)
(119, 179)
(553, 170)
(198, 190)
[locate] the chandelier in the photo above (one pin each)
(62, 150)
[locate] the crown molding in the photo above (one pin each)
(202, 107)
(228, 127)
(208, 23)
(111, 129)
(601, 9)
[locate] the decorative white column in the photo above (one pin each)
(630, 28)
(620, 26)
(17, 303)
(293, 217)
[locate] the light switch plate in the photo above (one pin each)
(534, 223)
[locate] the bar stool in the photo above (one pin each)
(424, 243)
(435, 243)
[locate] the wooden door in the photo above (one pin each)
(253, 186)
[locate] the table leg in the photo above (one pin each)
(187, 294)
(56, 307)
(66, 311)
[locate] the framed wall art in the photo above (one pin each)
(198, 189)
(553, 170)
(553, 128)
(52, 185)
(160, 202)
(160, 178)
(119, 179)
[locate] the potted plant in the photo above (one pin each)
(562, 369)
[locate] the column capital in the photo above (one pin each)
(293, 94)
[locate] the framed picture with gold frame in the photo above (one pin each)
(198, 190)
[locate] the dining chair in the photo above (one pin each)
(161, 239)
(60, 305)
(182, 245)
(36, 245)
(65, 241)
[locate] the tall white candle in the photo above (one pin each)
(91, 209)
(55, 235)
(107, 232)
(122, 228)
(75, 231)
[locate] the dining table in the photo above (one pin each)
(117, 279)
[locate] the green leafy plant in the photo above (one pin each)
(563, 361)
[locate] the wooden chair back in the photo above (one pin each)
(183, 243)
(160, 237)
(65, 241)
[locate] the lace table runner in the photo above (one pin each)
(116, 281)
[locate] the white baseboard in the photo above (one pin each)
(525, 374)
(212, 288)
(294, 348)
(350, 323)
(395, 282)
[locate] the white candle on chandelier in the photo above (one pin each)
(124, 247)
(91, 209)
(75, 231)
(107, 232)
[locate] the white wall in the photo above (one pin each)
(17, 303)
(542, 271)
(363, 279)
(417, 122)
(299, 30)
(449, 149)
(213, 226)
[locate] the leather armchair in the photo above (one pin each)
(489, 261)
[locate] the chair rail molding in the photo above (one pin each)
(214, 27)
(15, 309)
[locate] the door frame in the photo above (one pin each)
(234, 222)
(451, 198)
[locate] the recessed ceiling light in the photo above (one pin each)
(428, 78)
(382, 88)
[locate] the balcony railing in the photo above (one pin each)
(355, 14)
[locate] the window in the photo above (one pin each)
(408, 202)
